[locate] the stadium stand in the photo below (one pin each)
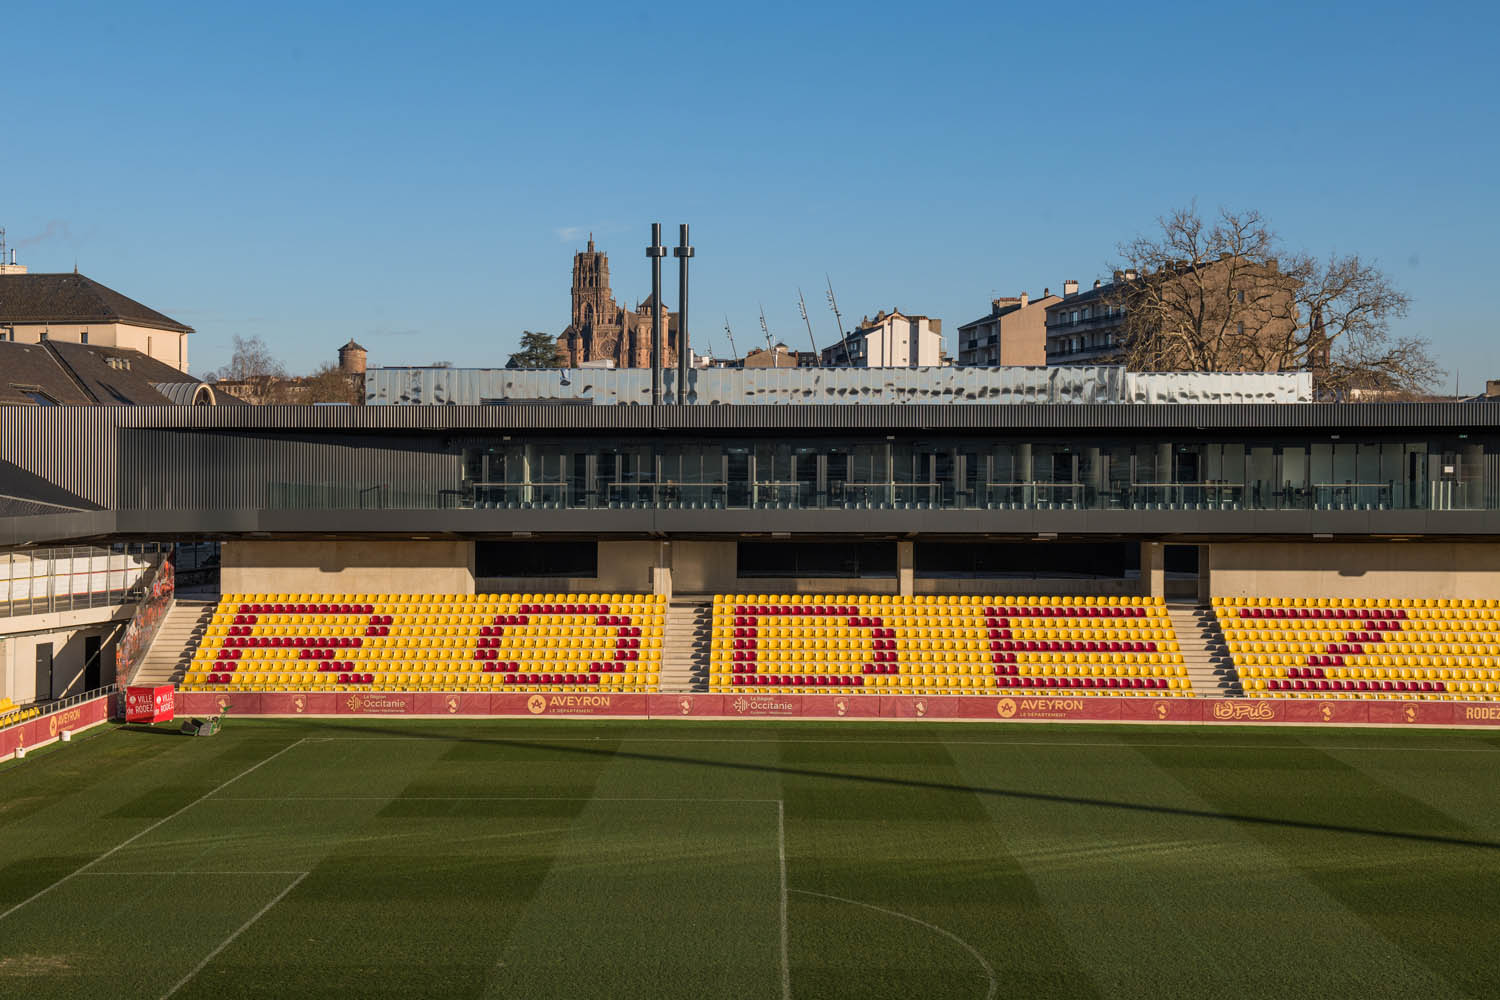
(1424, 649)
(11, 713)
(1107, 646)
(431, 642)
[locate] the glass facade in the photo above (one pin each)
(971, 473)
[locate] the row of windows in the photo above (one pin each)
(494, 560)
(10, 335)
(1442, 472)
(1072, 317)
(1334, 474)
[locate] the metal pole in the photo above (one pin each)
(656, 252)
(802, 304)
(833, 304)
(684, 358)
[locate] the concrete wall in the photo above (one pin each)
(1352, 569)
(368, 567)
(23, 680)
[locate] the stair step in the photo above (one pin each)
(1204, 651)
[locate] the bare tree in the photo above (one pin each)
(254, 374)
(1226, 295)
(251, 359)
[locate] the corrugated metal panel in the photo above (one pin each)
(71, 446)
(847, 386)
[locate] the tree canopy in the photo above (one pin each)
(1227, 295)
(538, 350)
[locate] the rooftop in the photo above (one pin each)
(74, 298)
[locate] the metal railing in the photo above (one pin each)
(52, 707)
(53, 590)
(832, 494)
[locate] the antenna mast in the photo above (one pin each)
(802, 304)
(833, 304)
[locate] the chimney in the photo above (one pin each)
(1130, 275)
(1025, 300)
(1491, 388)
(1070, 288)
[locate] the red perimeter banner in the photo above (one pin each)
(39, 732)
(565, 703)
(972, 708)
(150, 704)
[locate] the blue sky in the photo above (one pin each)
(418, 177)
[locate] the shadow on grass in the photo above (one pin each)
(145, 730)
(878, 780)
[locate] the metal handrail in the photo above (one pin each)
(62, 704)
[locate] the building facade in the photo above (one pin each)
(1084, 328)
(890, 340)
(599, 329)
(76, 309)
(1014, 333)
(1253, 303)
(695, 498)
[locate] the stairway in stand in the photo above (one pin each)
(172, 649)
(1204, 651)
(684, 662)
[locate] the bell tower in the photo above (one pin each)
(592, 302)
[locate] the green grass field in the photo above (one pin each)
(587, 859)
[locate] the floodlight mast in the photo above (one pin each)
(802, 305)
(767, 331)
(730, 334)
(833, 304)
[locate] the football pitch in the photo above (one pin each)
(529, 858)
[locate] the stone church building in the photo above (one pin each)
(600, 330)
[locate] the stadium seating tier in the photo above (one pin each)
(431, 642)
(1374, 648)
(882, 644)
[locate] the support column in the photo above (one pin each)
(906, 577)
(1153, 570)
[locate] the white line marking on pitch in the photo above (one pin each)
(178, 874)
(541, 739)
(786, 964)
(137, 836)
(989, 970)
(474, 798)
(230, 939)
